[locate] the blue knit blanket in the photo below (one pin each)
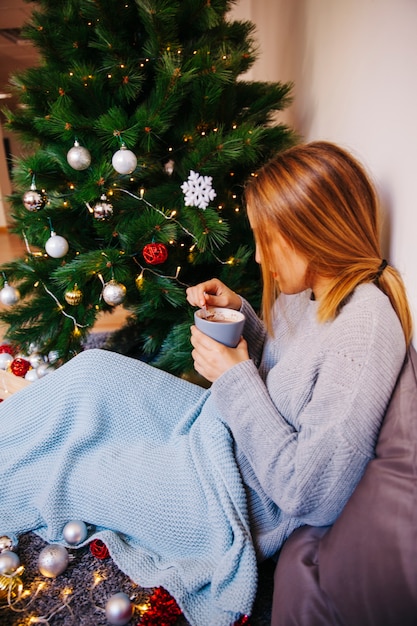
(145, 460)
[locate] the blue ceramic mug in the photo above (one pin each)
(223, 325)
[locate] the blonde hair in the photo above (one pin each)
(321, 200)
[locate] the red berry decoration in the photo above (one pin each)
(19, 366)
(155, 253)
(99, 549)
(6, 347)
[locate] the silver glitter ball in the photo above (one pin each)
(169, 167)
(9, 295)
(119, 609)
(78, 157)
(114, 293)
(31, 375)
(34, 200)
(124, 161)
(43, 369)
(9, 562)
(56, 246)
(75, 532)
(35, 359)
(5, 360)
(53, 356)
(53, 560)
(102, 210)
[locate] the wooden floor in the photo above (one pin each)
(11, 247)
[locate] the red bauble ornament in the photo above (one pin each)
(99, 549)
(19, 366)
(163, 609)
(243, 621)
(155, 253)
(6, 347)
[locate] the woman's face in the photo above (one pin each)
(289, 267)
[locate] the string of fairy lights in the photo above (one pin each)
(25, 598)
(198, 192)
(124, 162)
(57, 247)
(20, 597)
(171, 59)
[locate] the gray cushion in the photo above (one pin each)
(363, 569)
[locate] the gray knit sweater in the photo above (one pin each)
(305, 411)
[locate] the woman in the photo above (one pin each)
(189, 486)
(306, 400)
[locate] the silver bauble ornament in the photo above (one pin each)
(114, 293)
(102, 210)
(5, 360)
(124, 161)
(53, 356)
(7, 543)
(9, 295)
(34, 200)
(31, 375)
(119, 609)
(78, 157)
(75, 532)
(35, 359)
(56, 246)
(9, 562)
(169, 167)
(53, 560)
(43, 369)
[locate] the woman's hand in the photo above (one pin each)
(211, 358)
(213, 293)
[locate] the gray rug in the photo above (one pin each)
(85, 604)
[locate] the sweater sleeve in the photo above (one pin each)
(309, 469)
(254, 332)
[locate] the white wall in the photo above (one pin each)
(354, 65)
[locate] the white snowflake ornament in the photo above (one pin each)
(198, 190)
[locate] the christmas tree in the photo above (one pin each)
(139, 136)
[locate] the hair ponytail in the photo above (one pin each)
(391, 283)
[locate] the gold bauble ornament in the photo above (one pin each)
(11, 587)
(73, 296)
